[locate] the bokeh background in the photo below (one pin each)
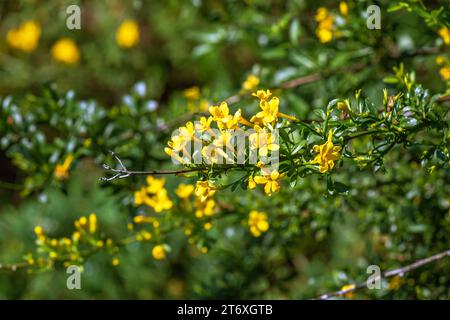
(120, 84)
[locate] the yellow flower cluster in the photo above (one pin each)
(61, 171)
(324, 30)
(257, 223)
(204, 203)
(66, 249)
(327, 154)
(25, 37)
(153, 195)
(251, 83)
(86, 224)
(212, 151)
(127, 35)
(66, 51)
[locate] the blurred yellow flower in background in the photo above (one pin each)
(66, 51)
(321, 14)
(25, 37)
(257, 223)
(62, 170)
(183, 191)
(324, 30)
(445, 73)
(250, 83)
(204, 189)
(444, 33)
(343, 8)
(158, 252)
(127, 35)
(192, 93)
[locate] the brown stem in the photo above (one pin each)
(388, 274)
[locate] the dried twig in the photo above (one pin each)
(123, 172)
(388, 274)
(14, 267)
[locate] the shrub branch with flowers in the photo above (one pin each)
(247, 163)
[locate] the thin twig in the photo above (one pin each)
(14, 267)
(123, 172)
(388, 274)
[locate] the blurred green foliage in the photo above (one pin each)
(317, 241)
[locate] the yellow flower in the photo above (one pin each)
(321, 14)
(192, 93)
(61, 171)
(115, 262)
(270, 181)
(205, 208)
(212, 154)
(160, 201)
(204, 250)
(250, 83)
(178, 142)
(257, 223)
(263, 141)
(92, 223)
(203, 105)
(66, 51)
(445, 73)
(223, 140)
(39, 233)
(25, 37)
(269, 113)
(141, 197)
(207, 226)
(324, 30)
(38, 230)
(184, 191)
(348, 287)
(154, 184)
(204, 124)
(328, 153)
(251, 183)
(440, 60)
(204, 190)
(444, 33)
(187, 131)
(343, 8)
(262, 95)
(221, 114)
(324, 35)
(127, 35)
(327, 23)
(159, 252)
(76, 236)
